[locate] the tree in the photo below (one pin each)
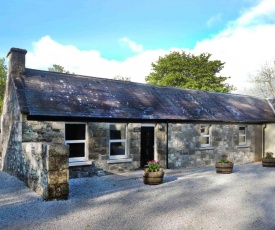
(121, 78)
(189, 71)
(3, 77)
(263, 82)
(58, 68)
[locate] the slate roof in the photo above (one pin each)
(51, 94)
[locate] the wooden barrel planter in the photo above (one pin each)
(268, 162)
(153, 178)
(224, 168)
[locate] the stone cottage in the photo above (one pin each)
(57, 126)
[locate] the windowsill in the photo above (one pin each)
(206, 148)
(125, 160)
(243, 146)
(80, 163)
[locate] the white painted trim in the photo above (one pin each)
(119, 161)
(75, 160)
(206, 135)
(243, 135)
(118, 157)
(80, 163)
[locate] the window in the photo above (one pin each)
(242, 135)
(205, 135)
(75, 137)
(117, 144)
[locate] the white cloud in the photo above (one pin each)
(47, 52)
(245, 45)
(260, 14)
(211, 21)
(137, 48)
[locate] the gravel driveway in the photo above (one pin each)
(188, 199)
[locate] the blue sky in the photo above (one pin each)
(108, 38)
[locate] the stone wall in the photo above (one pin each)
(36, 154)
(99, 150)
(98, 142)
(11, 133)
(46, 158)
(161, 143)
(57, 166)
(46, 169)
(185, 149)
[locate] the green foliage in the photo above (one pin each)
(269, 155)
(3, 77)
(121, 78)
(223, 159)
(153, 166)
(58, 68)
(189, 71)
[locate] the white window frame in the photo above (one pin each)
(78, 159)
(205, 136)
(242, 135)
(118, 141)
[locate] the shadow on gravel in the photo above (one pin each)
(192, 199)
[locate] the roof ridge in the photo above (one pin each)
(144, 84)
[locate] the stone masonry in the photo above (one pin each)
(47, 158)
(32, 151)
(185, 149)
(98, 142)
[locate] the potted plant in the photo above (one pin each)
(268, 160)
(223, 165)
(153, 174)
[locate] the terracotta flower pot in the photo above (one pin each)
(268, 162)
(153, 178)
(224, 168)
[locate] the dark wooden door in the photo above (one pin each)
(147, 145)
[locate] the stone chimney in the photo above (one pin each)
(16, 61)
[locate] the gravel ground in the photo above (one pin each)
(188, 199)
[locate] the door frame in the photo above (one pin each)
(152, 125)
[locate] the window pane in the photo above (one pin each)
(241, 139)
(242, 130)
(117, 132)
(75, 131)
(77, 150)
(205, 129)
(117, 148)
(205, 140)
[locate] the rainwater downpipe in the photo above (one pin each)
(167, 145)
(263, 139)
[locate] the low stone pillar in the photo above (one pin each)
(57, 167)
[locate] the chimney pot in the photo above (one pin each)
(16, 61)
